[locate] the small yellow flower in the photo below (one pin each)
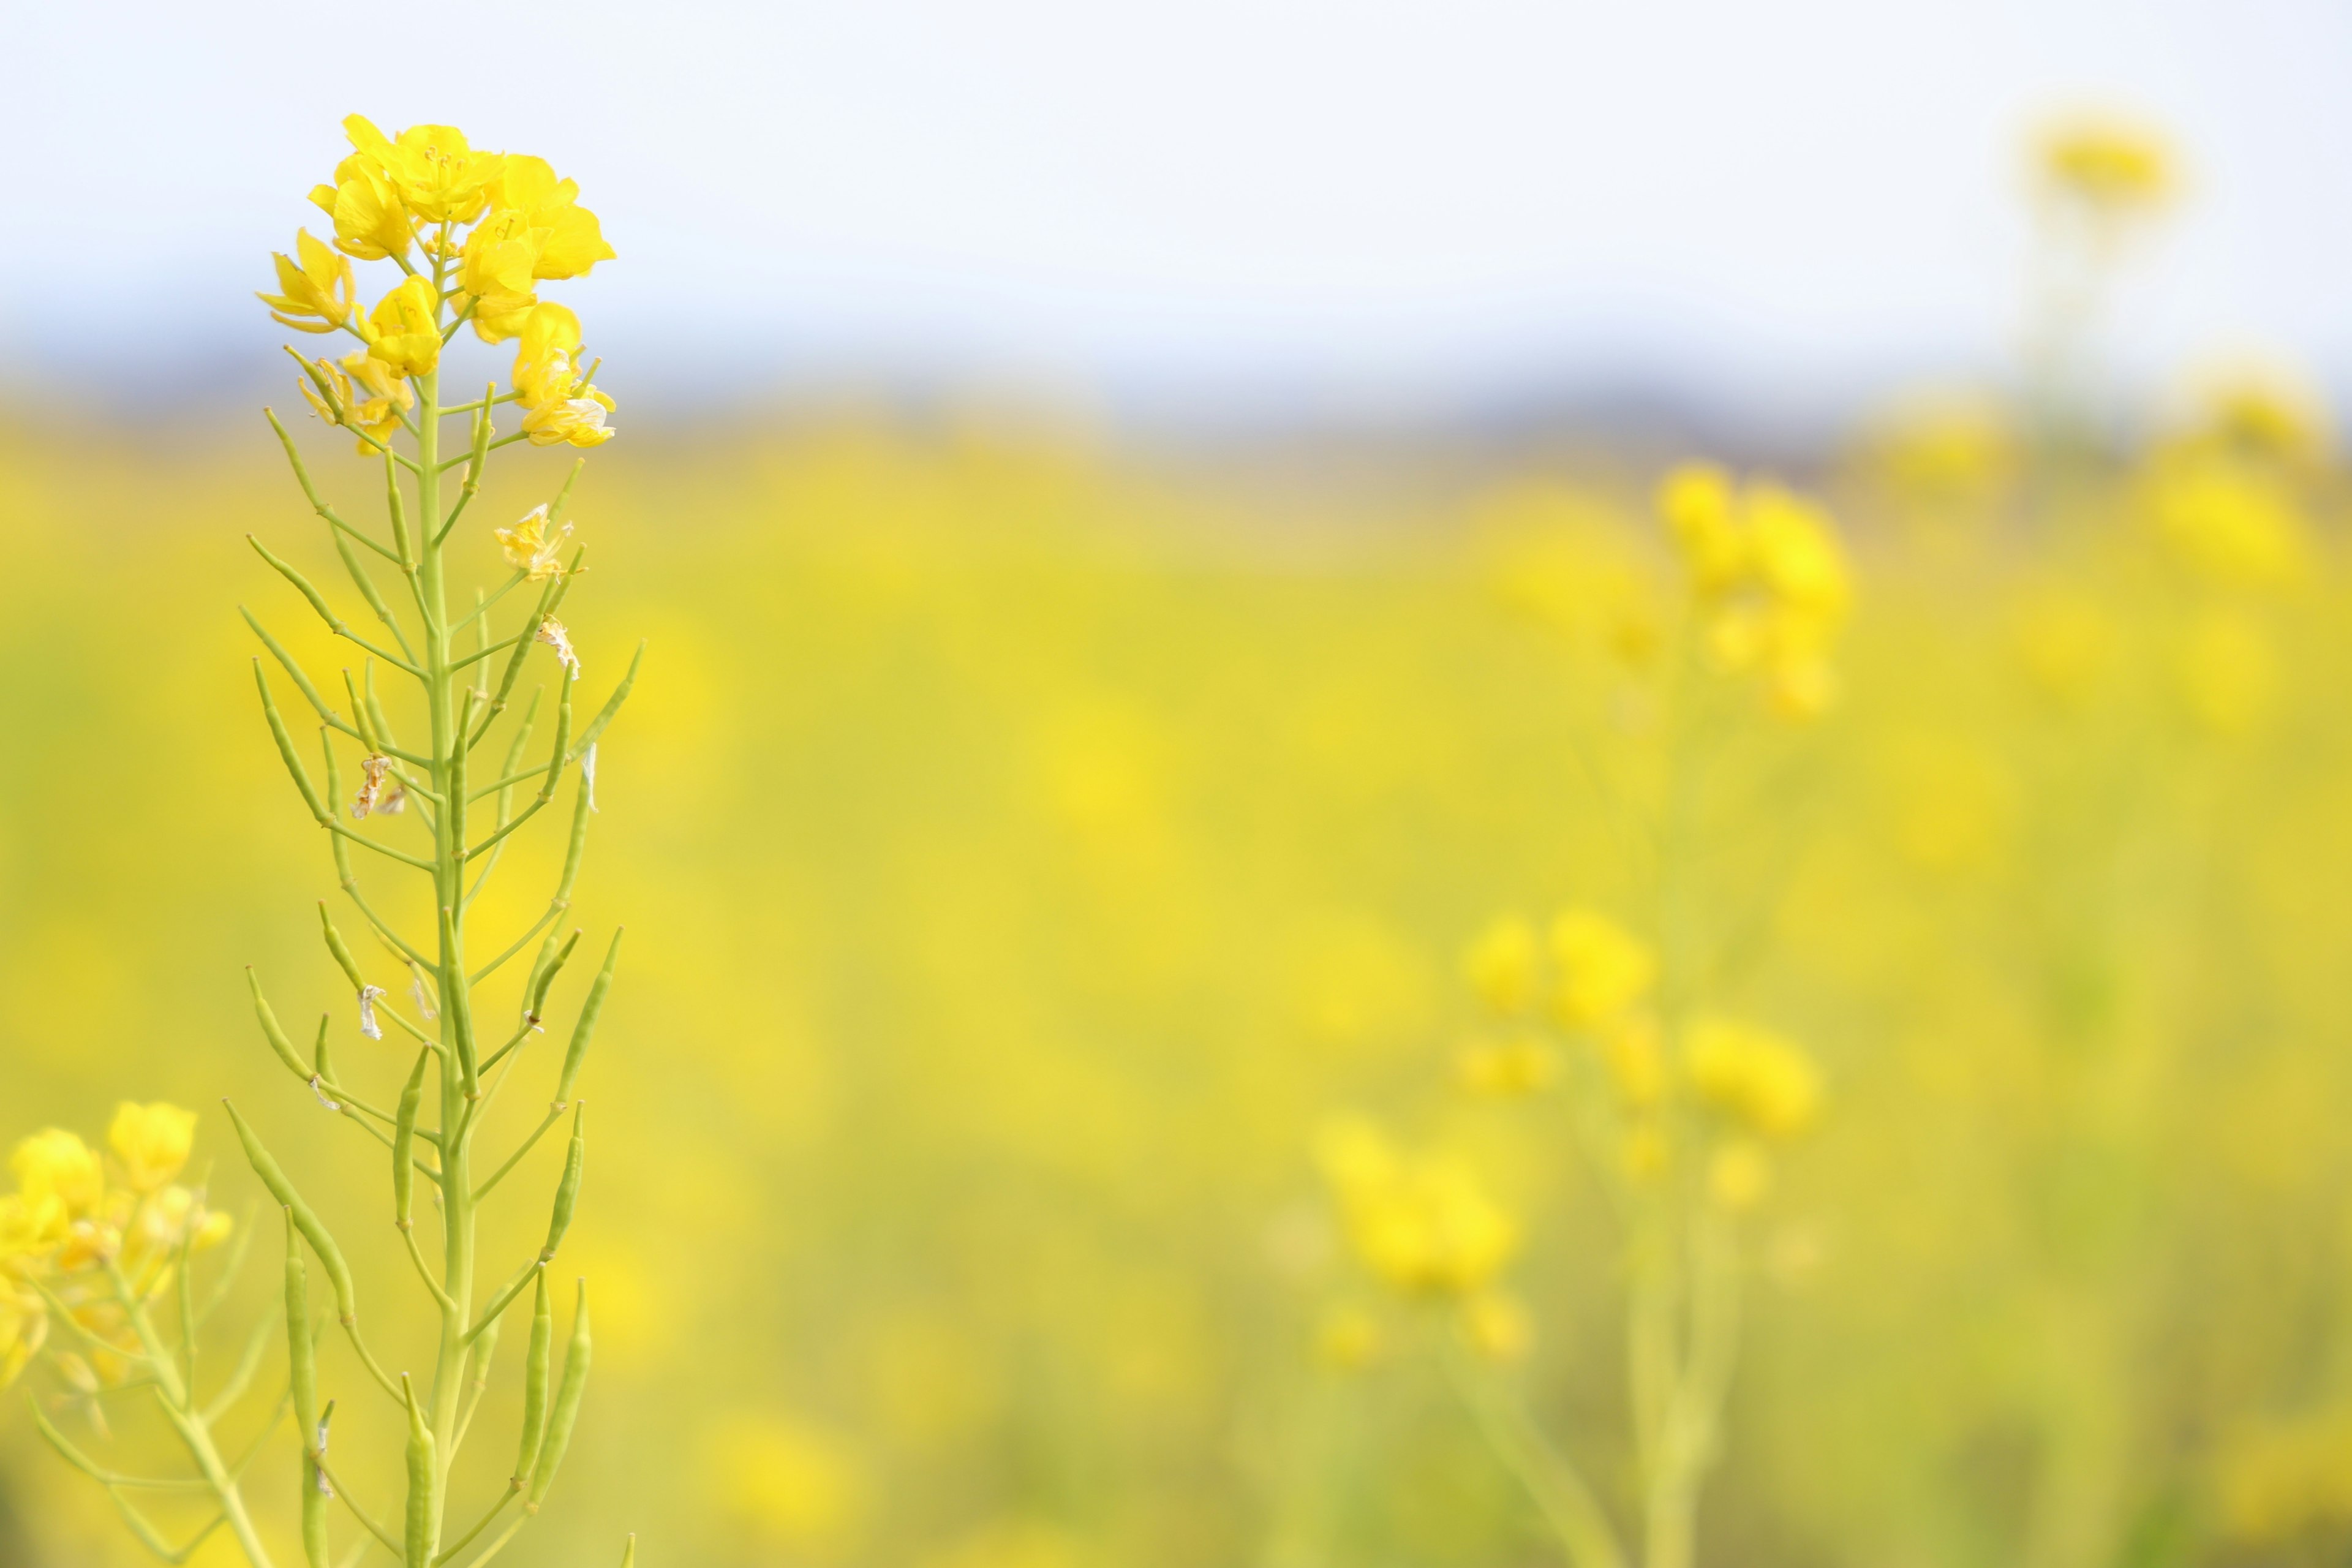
(1498, 1327)
(542, 368)
(2109, 167)
(1794, 555)
(152, 1140)
(1604, 970)
(370, 221)
(496, 271)
(315, 292)
(400, 331)
(1503, 965)
(1752, 1075)
(438, 177)
(577, 420)
(1700, 510)
(1514, 1066)
(56, 1165)
(1425, 1225)
(530, 548)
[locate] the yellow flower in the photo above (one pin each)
(528, 546)
(577, 420)
(1794, 555)
(152, 1142)
(439, 176)
(1752, 1075)
(1424, 1226)
(30, 1225)
(2232, 524)
(315, 292)
(1695, 502)
(1603, 970)
(401, 331)
(1502, 965)
(2109, 167)
(495, 270)
(1497, 1326)
(369, 221)
(1522, 1066)
(576, 241)
(55, 1164)
(564, 406)
(378, 415)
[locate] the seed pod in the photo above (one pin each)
(567, 1190)
(325, 1069)
(286, 748)
(534, 1380)
(419, 1538)
(585, 1029)
(403, 1141)
(563, 739)
(343, 954)
(567, 1405)
(629, 1552)
(551, 967)
(305, 1220)
(276, 1035)
(302, 1355)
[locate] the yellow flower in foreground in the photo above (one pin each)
(495, 269)
(377, 415)
(1603, 970)
(2110, 166)
(574, 241)
(530, 548)
(400, 331)
(315, 292)
(152, 1142)
(55, 1164)
(28, 1225)
(1423, 1224)
(542, 365)
(577, 420)
(370, 221)
(1503, 965)
(1752, 1075)
(439, 176)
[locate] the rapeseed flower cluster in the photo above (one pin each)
(82, 1217)
(1769, 580)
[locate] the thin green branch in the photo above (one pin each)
(553, 1116)
(309, 491)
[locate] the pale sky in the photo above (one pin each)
(1228, 203)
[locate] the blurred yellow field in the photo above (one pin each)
(1032, 853)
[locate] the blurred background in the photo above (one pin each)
(1143, 519)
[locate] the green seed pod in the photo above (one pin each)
(534, 1380)
(567, 1190)
(566, 1410)
(326, 1068)
(343, 954)
(269, 1029)
(585, 1029)
(302, 1355)
(403, 1141)
(563, 739)
(286, 748)
(629, 1553)
(305, 1221)
(418, 1538)
(546, 976)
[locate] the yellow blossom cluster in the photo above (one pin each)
(1422, 1224)
(76, 1215)
(405, 199)
(1769, 579)
(2108, 167)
